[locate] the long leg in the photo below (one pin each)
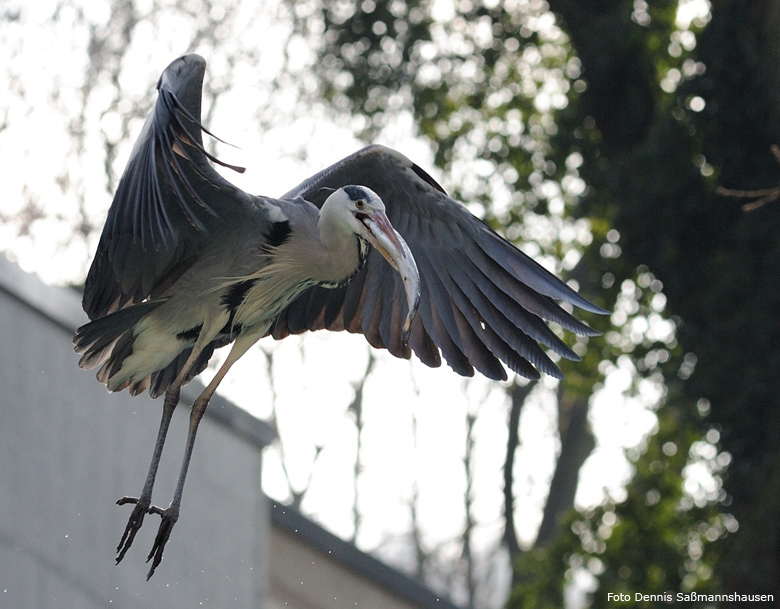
(171, 514)
(143, 502)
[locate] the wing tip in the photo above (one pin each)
(583, 303)
(192, 62)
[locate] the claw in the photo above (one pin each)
(140, 510)
(133, 524)
(169, 518)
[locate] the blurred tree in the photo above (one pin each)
(657, 540)
(619, 113)
(666, 116)
(483, 83)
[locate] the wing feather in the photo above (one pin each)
(505, 339)
(167, 202)
(450, 303)
(483, 301)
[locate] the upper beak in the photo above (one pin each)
(393, 248)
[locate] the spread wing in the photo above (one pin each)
(482, 300)
(168, 201)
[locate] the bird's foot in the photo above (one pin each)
(133, 524)
(169, 518)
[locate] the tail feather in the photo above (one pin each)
(107, 341)
(138, 387)
(111, 367)
(98, 337)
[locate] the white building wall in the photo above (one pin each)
(69, 450)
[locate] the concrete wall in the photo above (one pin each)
(311, 568)
(69, 450)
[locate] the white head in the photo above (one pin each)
(349, 209)
(359, 210)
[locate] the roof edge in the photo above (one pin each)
(292, 522)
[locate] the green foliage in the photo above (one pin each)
(367, 53)
(539, 583)
(480, 84)
(658, 539)
(657, 132)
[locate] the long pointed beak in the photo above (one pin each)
(393, 248)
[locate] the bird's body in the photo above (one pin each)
(243, 278)
(188, 263)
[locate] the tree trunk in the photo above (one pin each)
(576, 445)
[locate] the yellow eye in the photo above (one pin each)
(360, 203)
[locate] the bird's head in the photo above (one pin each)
(361, 211)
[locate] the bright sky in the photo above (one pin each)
(313, 377)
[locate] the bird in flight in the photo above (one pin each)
(188, 263)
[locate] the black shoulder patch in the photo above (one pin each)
(278, 234)
(235, 294)
(191, 335)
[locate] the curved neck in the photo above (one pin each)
(341, 253)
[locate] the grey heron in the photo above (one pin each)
(188, 263)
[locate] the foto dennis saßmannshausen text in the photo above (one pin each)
(668, 597)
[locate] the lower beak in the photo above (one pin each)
(393, 248)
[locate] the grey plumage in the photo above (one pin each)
(468, 273)
(188, 263)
